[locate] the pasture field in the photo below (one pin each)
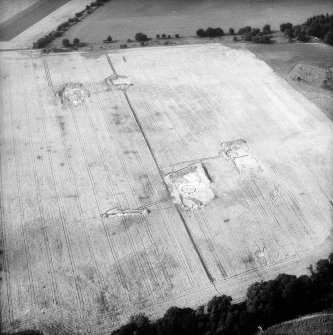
(123, 18)
(321, 324)
(90, 232)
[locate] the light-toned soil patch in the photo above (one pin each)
(119, 212)
(118, 82)
(190, 187)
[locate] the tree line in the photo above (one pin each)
(267, 302)
(320, 26)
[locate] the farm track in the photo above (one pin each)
(61, 168)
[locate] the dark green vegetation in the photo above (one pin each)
(140, 37)
(210, 32)
(320, 26)
(267, 303)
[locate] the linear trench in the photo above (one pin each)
(210, 277)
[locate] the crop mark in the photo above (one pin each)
(121, 275)
(210, 277)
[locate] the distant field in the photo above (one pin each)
(123, 18)
(90, 232)
(320, 324)
(28, 17)
(9, 8)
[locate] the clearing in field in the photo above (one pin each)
(95, 219)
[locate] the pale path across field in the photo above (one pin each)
(67, 267)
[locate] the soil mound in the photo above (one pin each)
(313, 75)
(73, 94)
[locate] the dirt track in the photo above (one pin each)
(68, 266)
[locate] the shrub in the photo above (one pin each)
(129, 40)
(231, 31)
(214, 32)
(262, 39)
(62, 26)
(200, 32)
(266, 29)
(158, 36)
(329, 38)
(65, 42)
(142, 43)
(76, 40)
(140, 37)
(235, 39)
(78, 15)
(109, 39)
(285, 26)
(163, 36)
(289, 33)
(303, 36)
(88, 7)
(244, 30)
(41, 43)
(169, 36)
(177, 36)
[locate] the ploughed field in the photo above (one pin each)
(142, 179)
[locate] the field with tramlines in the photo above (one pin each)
(142, 179)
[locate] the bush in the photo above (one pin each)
(266, 29)
(158, 36)
(249, 35)
(235, 39)
(169, 36)
(65, 42)
(140, 37)
(210, 32)
(88, 7)
(129, 40)
(329, 38)
(41, 43)
(163, 36)
(63, 26)
(285, 26)
(231, 31)
(262, 39)
(244, 30)
(177, 36)
(109, 38)
(303, 36)
(200, 32)
(78, 15)
(76, 40)
(142, 43)
(289, 33)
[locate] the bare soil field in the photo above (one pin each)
(318, 324)
(137, 180)
(123, 18)
(28, 17)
